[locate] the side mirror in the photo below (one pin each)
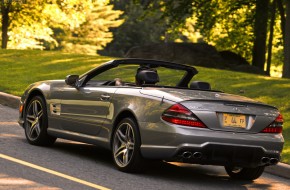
(72, 80)
(200, 85)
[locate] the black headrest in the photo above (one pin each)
(147, 77)
(200, 85)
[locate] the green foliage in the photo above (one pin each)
(174, 14)
(94, 34)
(26, 25)
(43, 24)
(65, 14)
(228, 25)
(29, 27)
(137, 30)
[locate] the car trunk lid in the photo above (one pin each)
(221, 111)
(248, 117)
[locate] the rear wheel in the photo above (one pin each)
(126, 146)
(245, 173)
(35, 123)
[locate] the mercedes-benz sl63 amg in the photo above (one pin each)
(148, 109)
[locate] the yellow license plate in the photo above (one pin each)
(234, 120)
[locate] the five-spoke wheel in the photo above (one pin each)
(34, 119)
(36, 123)
(126, 146)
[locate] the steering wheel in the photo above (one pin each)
(110, 83)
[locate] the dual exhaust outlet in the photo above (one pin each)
(198, 155)
(271, 161)
(187, 155)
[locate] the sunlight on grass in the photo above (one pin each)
(243, 84)
(286, 153)
(57, 61)
(276, 71)
(282, 85)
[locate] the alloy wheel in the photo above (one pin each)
(34, 119)
(123, 146)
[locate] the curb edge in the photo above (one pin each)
(9, 100)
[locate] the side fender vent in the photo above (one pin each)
(55, 109)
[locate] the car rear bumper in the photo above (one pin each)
(205, 146)
(215, 154)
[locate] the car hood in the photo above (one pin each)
(179, 95)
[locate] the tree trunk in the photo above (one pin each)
(286, 67)
(270, 43)
(282, 16)
(260, 33)
(5, 24)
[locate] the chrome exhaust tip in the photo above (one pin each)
(274, 161)
(197, 155)
(186, 155)
(265, 160)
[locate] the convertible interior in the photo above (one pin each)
(144, 76)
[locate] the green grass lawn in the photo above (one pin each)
(20, 68)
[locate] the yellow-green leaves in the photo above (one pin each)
(39, 24)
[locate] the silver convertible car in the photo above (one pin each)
(148, 109)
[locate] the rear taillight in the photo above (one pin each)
(276, 126)
(179, 115)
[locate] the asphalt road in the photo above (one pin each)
(70, 165)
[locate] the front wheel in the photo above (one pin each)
(35, 123)
(245, 173)
(126, 146)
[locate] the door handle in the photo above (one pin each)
(105, 97)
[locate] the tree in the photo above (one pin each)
(260, 33)
(174, 14)
(224, 24)
(239, 25)
(137, 29)
(40, 24)
(24, 24)
(228, 25)
(29, 26)
(5, 9)
(93, 34)
(270, 43)
(282, 16)
(286, 67)
(8, 7)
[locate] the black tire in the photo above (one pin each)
(126, 143)
(35, 123)
(245, 173)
